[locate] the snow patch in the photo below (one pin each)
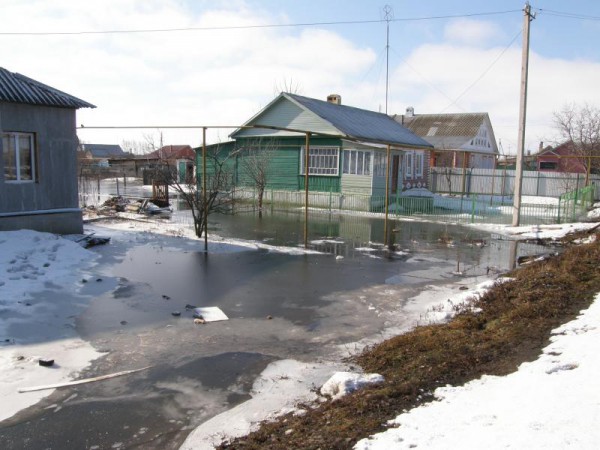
(342, 383)
(505, 412)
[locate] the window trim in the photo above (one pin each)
(409, 165)
(15, 136)
(419, 159)
(379, 164)
(312, 153)
(350, 162)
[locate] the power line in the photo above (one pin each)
(404, 61)
(566, 15)
(484, 72)
(249, 27)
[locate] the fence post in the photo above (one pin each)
(474, 197)
(272, 202)
(575, 200)
(559, 203)
(330, 193)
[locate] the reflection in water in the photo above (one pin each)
(362, 236)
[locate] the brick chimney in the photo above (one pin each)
(335, 99)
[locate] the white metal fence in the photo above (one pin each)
(500, 182)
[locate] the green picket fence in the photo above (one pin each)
(572, 205)
(456, 209)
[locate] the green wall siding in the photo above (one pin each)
(284, 169)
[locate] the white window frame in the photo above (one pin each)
(419, 160)
(408, 160)
(357, 162)
(16, 139)
(379, 164)
(323, 161)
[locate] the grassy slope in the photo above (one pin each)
(512, 325)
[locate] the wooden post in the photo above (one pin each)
(306, 161)
(464, 177)
(493, 182)
(204, 198)
(522, 117)
(387, 195)
(587, 172)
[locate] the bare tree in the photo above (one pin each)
(218, 197)
(142, 147)
(580, 126)
(289, 86)
(255, 161)
(444, 161)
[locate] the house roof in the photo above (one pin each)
(448, 131)
(17, 88)
(348, 122)
(104, 150)
(566, 148)
(172, 152)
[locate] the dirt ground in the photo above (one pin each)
(492, 335)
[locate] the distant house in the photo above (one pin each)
(100, 154)
(560, 159)
(38, 169)
(179, 158)
(347, 147)
(455, 136)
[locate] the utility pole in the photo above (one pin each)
(388, 15)
(528, 17)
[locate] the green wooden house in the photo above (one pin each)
(347, 147)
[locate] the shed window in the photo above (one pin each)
(18, 154)
(321, 161)
(357, 162)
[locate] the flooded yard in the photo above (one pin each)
(305, 307)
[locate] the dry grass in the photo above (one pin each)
(513, 324)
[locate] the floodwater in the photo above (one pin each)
(279, 306)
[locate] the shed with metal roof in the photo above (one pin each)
(38, 168)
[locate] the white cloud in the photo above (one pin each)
(477, 33)
(224, 77)
(176, 78)
(452, 68)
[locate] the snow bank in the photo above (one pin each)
(277, 390)
(31, 328)
(550, 403)
(342, 383)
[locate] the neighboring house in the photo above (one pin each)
(510, 162)
(552, 159)
(348, 146)
(101, 154)
(38, 169)
(454, 137)
(179, 158)
(107, 160)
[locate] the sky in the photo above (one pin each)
(444, 56)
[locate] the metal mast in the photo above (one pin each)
(388, 14)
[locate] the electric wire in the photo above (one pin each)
(493, 63)
(566, 15)
(248, 27)
(433, 86)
